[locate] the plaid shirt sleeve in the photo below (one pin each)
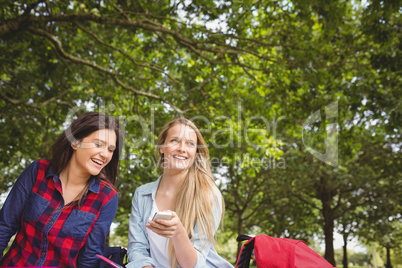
(10, 214)
(87, 256)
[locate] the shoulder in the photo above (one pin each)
(107, 189)
(106, 185)
(216, 194)
(33, 174)
(36, 169)
(147, 188)
(39, 164)
(217, 201)
(44, 168)
(42, 163)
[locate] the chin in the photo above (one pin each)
(95, 172)
(181, 168)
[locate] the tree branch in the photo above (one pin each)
(34, 105)
(306, 201)
(57, 45)
(149, 25)
(121, 11)
(150, 66)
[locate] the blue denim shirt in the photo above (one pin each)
(138, 245)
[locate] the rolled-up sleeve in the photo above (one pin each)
(138, 246)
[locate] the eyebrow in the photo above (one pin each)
(102, 141)
(177, 137)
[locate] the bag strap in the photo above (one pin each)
(116, 254)
(242, 237)
(243, 260)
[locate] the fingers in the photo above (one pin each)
(160, 224)
(173, 221)
(166, 231)
(166, 228)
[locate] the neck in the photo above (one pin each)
(71, 175)
(172, 180)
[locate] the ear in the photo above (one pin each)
(74, 145)
(161, 150)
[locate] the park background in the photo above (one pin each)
(299, 101)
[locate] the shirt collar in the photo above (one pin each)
(50, 172)
(93, 187)
(153, 188)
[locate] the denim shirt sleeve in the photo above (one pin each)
(11, 212)
(138, 247)
(202, 244)
(96, 239)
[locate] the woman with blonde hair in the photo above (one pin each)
(188, 191)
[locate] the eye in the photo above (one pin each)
(98, 145)
(191, 144)
(175, 140)
(111, 150)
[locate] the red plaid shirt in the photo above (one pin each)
(48, 232)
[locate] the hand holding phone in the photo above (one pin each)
(164, 215)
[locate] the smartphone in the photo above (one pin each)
(163, 215)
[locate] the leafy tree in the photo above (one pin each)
(348, 226)
(383, 221)
(146, 62)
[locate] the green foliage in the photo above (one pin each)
(249, 74)
(358, 259)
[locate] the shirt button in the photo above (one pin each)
(51, 222)
(44, 239)
(43, 253)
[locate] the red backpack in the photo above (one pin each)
(272, 252)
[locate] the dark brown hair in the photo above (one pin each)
(82, 127)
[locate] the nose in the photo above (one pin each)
(182, 147)
(104, 153)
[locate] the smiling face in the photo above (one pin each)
(179, 148)
(94, 152)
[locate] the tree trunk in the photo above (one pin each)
(328, 227)
(345, 253)
(329, 241)
(388, 265)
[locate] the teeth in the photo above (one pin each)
(97, 162)
(179, 157)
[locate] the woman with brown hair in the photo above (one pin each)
(188, 191)
(61, 210)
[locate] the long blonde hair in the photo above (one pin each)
(198, 193)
